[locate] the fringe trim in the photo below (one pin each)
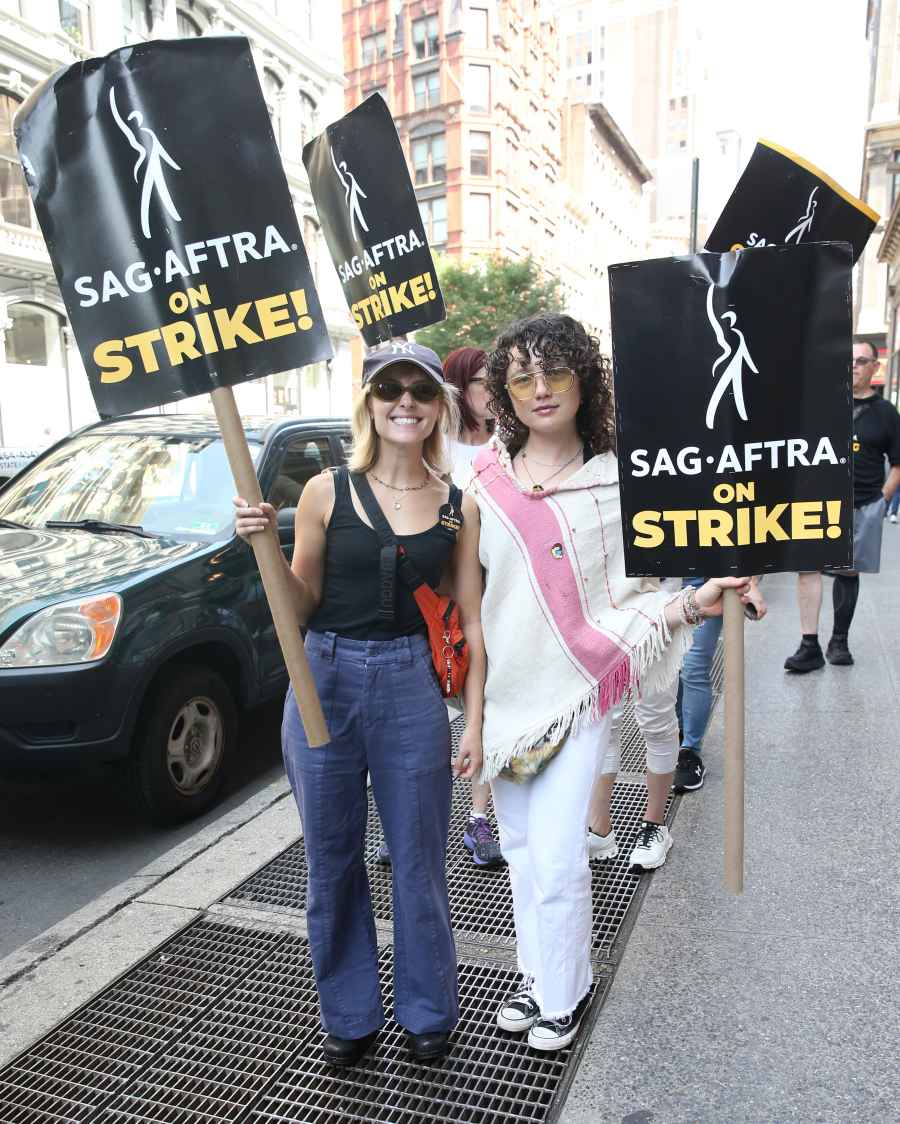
(652, 666)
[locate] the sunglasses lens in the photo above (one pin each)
(560, 379)
(521, 387)
(388, 390)
(424, 391)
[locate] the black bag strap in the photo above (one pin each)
(393, 557)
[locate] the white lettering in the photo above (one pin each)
(85, 289)
(639, 461)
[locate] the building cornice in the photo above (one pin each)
(283, 40)
(607, 127)
(890, 243)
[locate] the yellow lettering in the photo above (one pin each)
(648, 533)
(679, 521)
(806, 520)
(275, 317)
(144, 342)
(114, 367)
(714, 527)
(232, 327)
(180, 340)
(765, 523)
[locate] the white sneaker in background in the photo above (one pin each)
(653, 844)
(602, 847)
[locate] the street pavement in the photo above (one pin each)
(65, 841)
(777, 1005)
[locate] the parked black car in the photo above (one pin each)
(133, 624)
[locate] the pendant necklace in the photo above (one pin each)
(535, 486)
(398, 502)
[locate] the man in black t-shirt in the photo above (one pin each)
(876, 440)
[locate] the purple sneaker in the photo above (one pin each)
(479, 840)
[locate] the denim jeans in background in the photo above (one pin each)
(386, 718)
(695, 696)
(894, 503)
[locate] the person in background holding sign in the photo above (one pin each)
(383, 706)
(566, 634)
(876, 438)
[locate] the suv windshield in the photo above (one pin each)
(169, 485)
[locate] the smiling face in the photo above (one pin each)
(404, 421)
(547, 412)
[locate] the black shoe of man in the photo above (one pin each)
(808, 657)
(428, 1047)
(837, 652)
(345, 1052)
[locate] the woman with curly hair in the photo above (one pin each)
(566, 635)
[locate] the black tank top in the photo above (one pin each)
(351, 588)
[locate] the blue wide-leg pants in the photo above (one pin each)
(386, 718)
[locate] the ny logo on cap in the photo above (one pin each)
(399, 347)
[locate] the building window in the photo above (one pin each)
(429, 157)
(477, 29)
(374, 47)
(425, 37)
(434, 217)
(75, 20)
(15, 206)
(308, 114)
(272, 88)
(135, 24)
(35, 337)
(479, 224)
(427, 90)
(480, 154)
(188, 28)
(478, 88)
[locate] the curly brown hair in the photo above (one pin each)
(554, 339)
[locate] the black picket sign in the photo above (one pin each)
(164, 204)
(782, 198)
(370, 218)
(733, 411)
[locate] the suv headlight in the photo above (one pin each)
(79, 631)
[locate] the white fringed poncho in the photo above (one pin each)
(566, 632)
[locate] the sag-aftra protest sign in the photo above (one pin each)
(160, 191)
(782, 198)
(733, 410)
(371, 222)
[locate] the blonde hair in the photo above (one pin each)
(364, 453)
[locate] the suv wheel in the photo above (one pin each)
(186, 731)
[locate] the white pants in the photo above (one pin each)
(543, 839)
(658, 722)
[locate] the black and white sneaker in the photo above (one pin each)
(690, 772)
(653, 844)
(555, 1034)
(519, 1011)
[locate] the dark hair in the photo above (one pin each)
(554, 339)
(868, 344)
(460, 367)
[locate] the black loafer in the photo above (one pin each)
(346, 1051)
(428, 1047)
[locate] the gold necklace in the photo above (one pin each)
(539, 487)
(398, 503)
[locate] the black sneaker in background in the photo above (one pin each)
(808, 657)
(837, 652)
(690, 771)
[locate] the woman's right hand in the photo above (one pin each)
(249, 521)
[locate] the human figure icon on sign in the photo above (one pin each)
(152, 156)
(737, 354)
(806, 220)
(352, 194)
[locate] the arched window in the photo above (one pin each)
(308, 112)
(15, 206)
(188, 27)
(34, 337)
(272, 89)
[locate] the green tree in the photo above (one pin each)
(483, 296)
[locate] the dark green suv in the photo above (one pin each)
(133, 624)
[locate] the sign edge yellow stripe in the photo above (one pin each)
(825, 178)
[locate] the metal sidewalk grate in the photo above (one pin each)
(91, 1058)
(480, 901)
(248, 1049)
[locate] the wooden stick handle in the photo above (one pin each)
(267, 549)
(733, 612)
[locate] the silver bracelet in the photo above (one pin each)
(691, 613)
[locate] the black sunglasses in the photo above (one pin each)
(389, 390)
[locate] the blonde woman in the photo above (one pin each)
(386, 717)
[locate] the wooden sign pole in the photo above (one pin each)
(267, 549)
(733, 613)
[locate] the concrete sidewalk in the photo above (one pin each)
(781, 1004)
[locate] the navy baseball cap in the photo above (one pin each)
(401, 351)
